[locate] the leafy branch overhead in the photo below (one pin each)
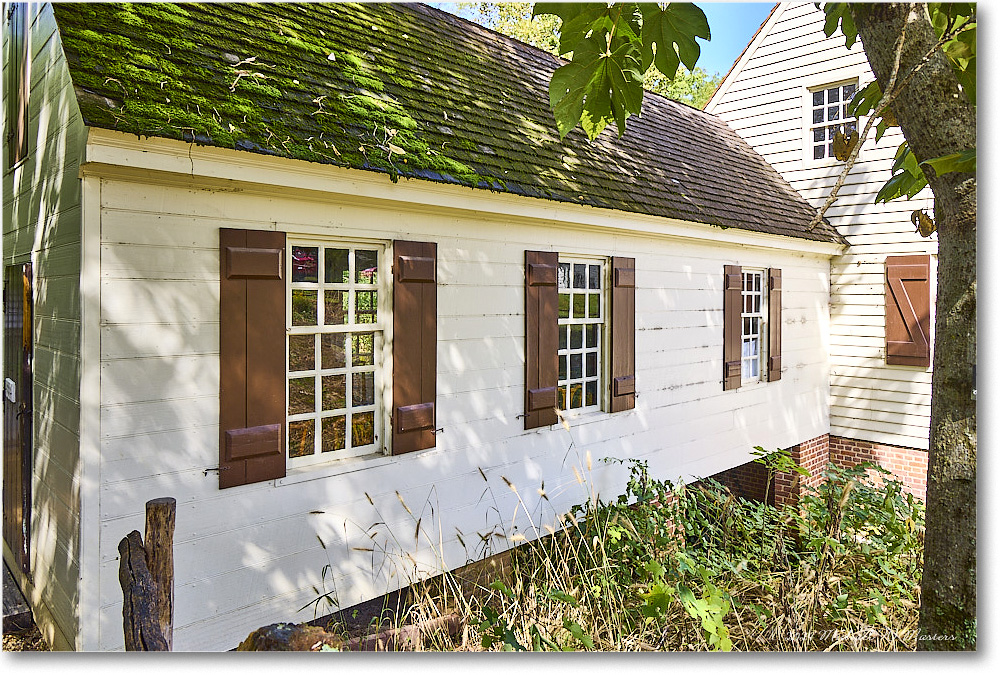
(955, 27)
(610, 47)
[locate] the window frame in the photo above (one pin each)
(381, 350)
(762, 316)
(823, 83)
(18, 84)
(603, 362)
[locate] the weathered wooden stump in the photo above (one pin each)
(146, 574)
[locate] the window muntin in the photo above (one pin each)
(581, 333)
(752, 325)
(828, 115)
(335, 334)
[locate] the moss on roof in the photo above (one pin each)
(409, 91)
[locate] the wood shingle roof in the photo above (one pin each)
(411, 91)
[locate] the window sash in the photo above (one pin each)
(357, 376)
(581, 333)
(752, 325)
(844, 122)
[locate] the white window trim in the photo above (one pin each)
(824, 81)
(762, 336)
(382, 348)
(602, 404)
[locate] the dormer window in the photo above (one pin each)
(828, 115)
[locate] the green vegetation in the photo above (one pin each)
(694, 567)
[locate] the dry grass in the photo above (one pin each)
(25, 641)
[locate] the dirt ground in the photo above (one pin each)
(28, 641)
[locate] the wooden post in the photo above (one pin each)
(139, 613)
(160, 519)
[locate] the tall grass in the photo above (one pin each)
(694, 567)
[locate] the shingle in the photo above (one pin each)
(350, 84)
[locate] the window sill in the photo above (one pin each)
(335, 467)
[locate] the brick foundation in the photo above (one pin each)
(909, 464)
(749, 480)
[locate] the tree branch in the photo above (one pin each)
(892, 91)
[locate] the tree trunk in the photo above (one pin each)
(937, 119)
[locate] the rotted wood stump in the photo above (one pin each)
(146, 574)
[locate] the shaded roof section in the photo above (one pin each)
(410, 91)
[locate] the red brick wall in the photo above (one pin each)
(909, 464)
(748, 481)
(811, 455)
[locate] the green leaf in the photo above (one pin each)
(840, 13)
(964, 161)
(673, 30)
(563, 596)
(502, 587)
(577, 632)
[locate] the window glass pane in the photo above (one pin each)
(592, 393)
(334, 392)
(335, 310)
(366, 266)
(332, 350)
(562, 366)
(833, 113)
(366, 307)
(833, 95)
(301, 352)
(851, 127)
(579, 276)
(303, 308)
(576, 395)
(563, 306)
(363, 385)
(575, 366)
(333, 433)
(579, 306)
(819, 152)
(301, 438)
(849, 91)
(594, 306)
(575, 336)
(819, 135)
(336, 266)
(817, 98)
(362, 429)
(305, 263)
(563, 275)
(561, 402)
(818, 116)
(592, 332)
(595, 277)
(591, 364)
(362, 349)
(747, 371)
(301, 395)
(563, 330)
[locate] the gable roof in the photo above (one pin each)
(411, 91)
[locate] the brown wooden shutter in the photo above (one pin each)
(773, 325)
(622, 334)
(541, 337)
(907, 310)
(251, 356)
(414, 345)
(732, 304)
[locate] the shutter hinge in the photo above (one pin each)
(438, 431)
(216, 469)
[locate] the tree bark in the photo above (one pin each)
(937, 119)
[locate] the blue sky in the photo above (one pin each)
(732, 25)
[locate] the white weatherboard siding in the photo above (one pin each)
(41, 225)
(251, 555)
(763, 100)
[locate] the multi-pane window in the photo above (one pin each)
(754, 299)
(581, 323)
(334, 352)
(829, 115)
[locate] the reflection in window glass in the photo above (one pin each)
(333, 397)
(580, 320)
